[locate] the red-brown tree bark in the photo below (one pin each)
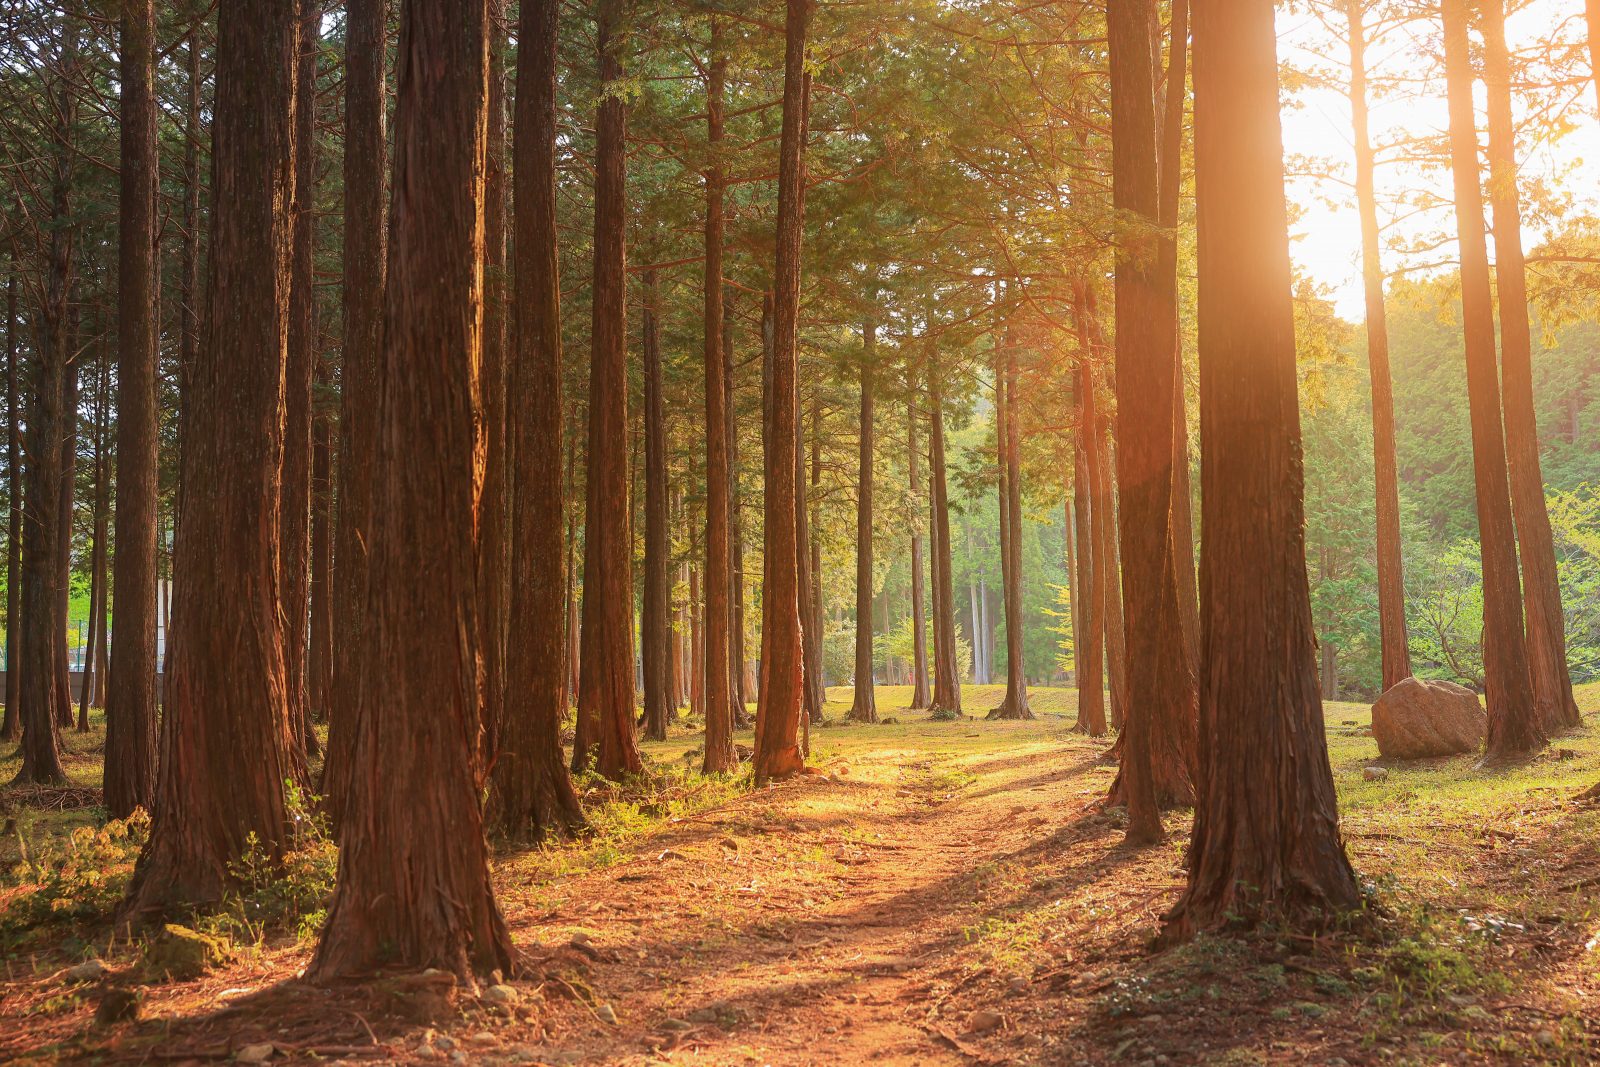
(1546, 628)
(1266, 842)
(605, 683)
(319, 657)
(1515, 729)
(920, 697)
(366, 45)
(1157, 741)
(1091, 604)
(1396, 651)
(225, 734)
(413, 881)
(11, 725)
(946, 671)
(294, 546)
(777, 749)
(655, 628)
(65, 520)
(531, 795)
(863, 702)
(721, 671)
(100, 521)
(1015, 703)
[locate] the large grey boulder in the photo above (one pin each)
(1417, 719)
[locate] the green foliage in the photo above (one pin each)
(83, 879)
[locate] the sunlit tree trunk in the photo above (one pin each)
(655, 626)
(65, 520)
(413, 881)
(1091, 605)
(11, 726)
(1396, 652)
(366, 44)
(225, 735)
(946, 670)
(1266, 842)
(93, 661)
(1015, 704)
(1515, 728)
(920, 697)
(319, 662)
(777, 749)
(605, 684)
(1546, 628)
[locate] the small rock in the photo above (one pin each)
(1374, 774)
(87, 971)
(1546, 1038)
(1017, 984)
(459, 1057)
(981, 1021)
(704, 1015)
(483, 1039)
(184, 954)
(502, 995)
(255, 1053)
(118, 1006)
(675, 1024)
(730, 843)
(671, 854)
(607, 1014)
(442, 1042)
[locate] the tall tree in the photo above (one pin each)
(1546, 628)
(41, 656)
(1015, 703)
(1266, 834)
(1515, 728)
(605, 684)
(777, 749)
(721, 615)
(863, 702)
(920, 697)
(1158, 734)
(99, 524)
(366, 44)
(226, 735)
(655, 624)
(531, 795)
(946, 671)
(413, 882)
(1396, 649)
(319, 661)
(66, 516)
(11, 727)
(294, 548)
(1089, 609)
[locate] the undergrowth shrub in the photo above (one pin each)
(82, 879)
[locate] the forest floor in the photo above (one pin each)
(947, 893)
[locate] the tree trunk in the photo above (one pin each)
(1157, 741)
(1090, 653)
(1541, 587)
(808, 615)
(1266, 843)
(919, 634)
(11, 727)
(366, 45)
(226, 737)
(531, 797)
(816, 681)
(1070, 556)
(1015, 705)
(739, 662)
(863, 703)
(101, 520)
(494, 518)
(319, 664)
(697, 646)
(1107, 524)
(655, 627)
(1396, 650)
(413, 881)
(946, 671)
(777, 751)
(72, 392)
(1515, 728)
(294, 549)
(721, 671)
(605, 686)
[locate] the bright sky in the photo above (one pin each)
(1328, 240)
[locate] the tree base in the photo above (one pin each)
(1013, 711)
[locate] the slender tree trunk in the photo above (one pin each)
(1107, 524)
(531, 795)
(1070, 555)
(697, 646)
(1516, 730)
(655, 626)
(65, 523)
(720, 568)
(1015, 705)
(1541, 585)
(1090, 653)
(738, 661)
(226, 736)
(863, 704)
(777, 752)
(413, 883)
(920, 697)
(946, 671)
(11, 727)
(319, 664)
(605, 686)
(92, 665)
(1157, 741)
(808, 615)
(366, 45)
(816, 680)
(1396, 650)
(494, 518)
(294, 550)
(1266, 842)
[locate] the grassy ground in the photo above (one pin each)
(946, 893)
